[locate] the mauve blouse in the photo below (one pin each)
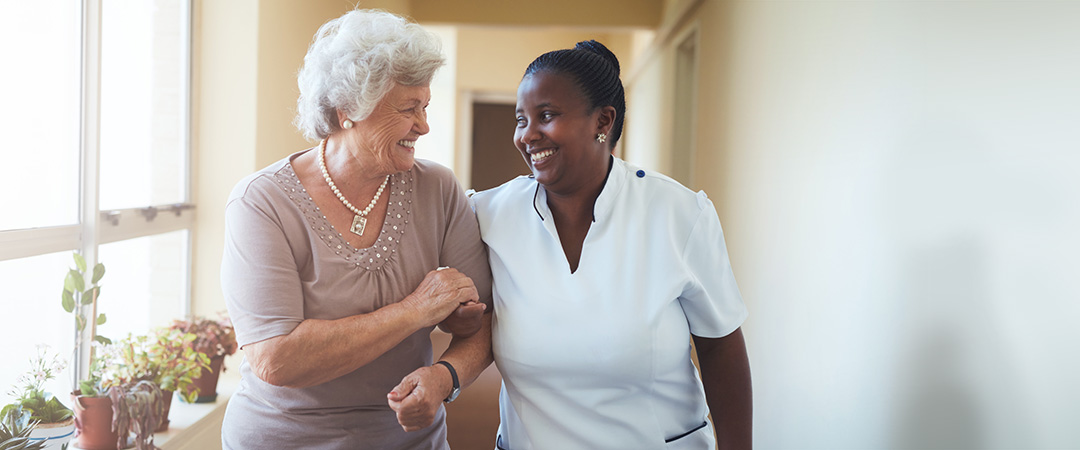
(283, 263)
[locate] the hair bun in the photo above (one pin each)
(595, 47)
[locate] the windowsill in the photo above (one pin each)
(192, 424)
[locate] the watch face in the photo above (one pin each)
(453, 395)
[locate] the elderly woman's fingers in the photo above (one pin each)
(415, 413)
(416, 399)
(441, 292)
(402, 390)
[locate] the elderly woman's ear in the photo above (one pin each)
(343, 120)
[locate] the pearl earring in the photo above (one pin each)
(346, 124)
(601, 137)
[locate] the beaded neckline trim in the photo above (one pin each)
(398, 214)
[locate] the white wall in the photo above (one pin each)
(899, 188)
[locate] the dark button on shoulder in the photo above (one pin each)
(641, 174)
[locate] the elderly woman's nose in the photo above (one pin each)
(421, 125)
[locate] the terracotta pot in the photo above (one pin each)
(165, 417)
(207, 382)
(93, 423)
(55, 435)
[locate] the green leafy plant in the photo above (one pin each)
(77, 297)
(92, 385)
(137, 408)
(29, 392)
(15, 428)
(165, 357)
(78, 293)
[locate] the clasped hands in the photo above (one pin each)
(448, 298)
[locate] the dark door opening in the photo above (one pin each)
(495, 160)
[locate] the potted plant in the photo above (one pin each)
(93, 409)
(55, 423)
(138, 408)
(164, 357)
(215, 339)
(15, 429)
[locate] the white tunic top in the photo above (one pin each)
(600, 358)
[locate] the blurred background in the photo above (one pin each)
(897, 181)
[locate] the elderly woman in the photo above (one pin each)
(340, 259)
(603, 275)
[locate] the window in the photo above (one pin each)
(95, 128)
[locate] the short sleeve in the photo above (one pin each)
(462, 247)
(259, 277)
(711, 299)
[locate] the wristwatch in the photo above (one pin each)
(453, 376)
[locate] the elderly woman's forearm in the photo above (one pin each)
(317, 351)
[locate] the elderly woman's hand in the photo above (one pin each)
(441, 293)
(417, 398)
(465, 321)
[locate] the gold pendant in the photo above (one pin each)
(358, 225)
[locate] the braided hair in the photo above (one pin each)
(595, 70)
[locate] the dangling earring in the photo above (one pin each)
(346, 124)
(601, 137)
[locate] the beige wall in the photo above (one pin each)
(284, 34)
(647, 127)
(224, 127)
(493, 59)
(897, 186)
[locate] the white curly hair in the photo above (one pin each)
(354, 60)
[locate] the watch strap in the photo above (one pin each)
(454, 377)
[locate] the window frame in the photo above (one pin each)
(97, 227)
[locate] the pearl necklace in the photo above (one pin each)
(360, 219)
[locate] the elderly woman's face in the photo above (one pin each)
(390, 132)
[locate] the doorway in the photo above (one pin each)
(495, 160)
